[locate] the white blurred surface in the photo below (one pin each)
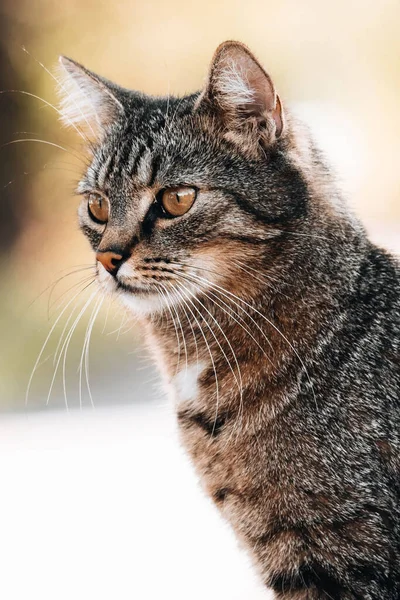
(103, 504)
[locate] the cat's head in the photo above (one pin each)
(183, 194)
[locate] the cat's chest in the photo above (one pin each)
(185, 388)
(236, 456)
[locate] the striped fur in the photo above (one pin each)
(274, 320)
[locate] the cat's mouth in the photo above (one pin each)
(148, 289)
(120, 283)
(134, 289)
(140, 297)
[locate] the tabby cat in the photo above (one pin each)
(274, 320)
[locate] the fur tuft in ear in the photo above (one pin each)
(241, 91)
(87, 100)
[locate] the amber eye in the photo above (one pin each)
(98, 208)
(176, 201)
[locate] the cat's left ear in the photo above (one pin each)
(243, 94)
(89, 102)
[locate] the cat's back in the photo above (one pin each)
(375, 314)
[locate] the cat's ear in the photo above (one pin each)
(242, 93)
(88, 102)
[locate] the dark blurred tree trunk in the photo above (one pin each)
(12, 184)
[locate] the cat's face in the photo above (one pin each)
(180, 193)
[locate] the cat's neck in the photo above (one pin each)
(232, 340)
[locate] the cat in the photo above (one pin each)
(274, 320)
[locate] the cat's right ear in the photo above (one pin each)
(243, 96)
(88, 102)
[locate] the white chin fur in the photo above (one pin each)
(143, 305)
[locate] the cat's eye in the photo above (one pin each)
(98, 208)
(176, 201)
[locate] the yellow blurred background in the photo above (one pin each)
(335, 63)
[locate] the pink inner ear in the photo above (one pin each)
(258, 82)
(239, 84)
(277, 115)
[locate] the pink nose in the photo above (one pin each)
(110, 261)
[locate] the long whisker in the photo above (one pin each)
(47, 104)
(238, 381)
(193, 280)
(46, 142)
(59, 300)
(268, 278)
(175, 327)
(184, 304)
(45, 344)
(262, 278)
(106, 317)
(86, 350)
(182, 263)
(180, 326)
(28, 173)
(209, 352)
(131, 322)
(117, 330)
(81, 361)
(238, 378)
(66, 346)
(80, 132)
(57, 141)
(60, 341)
(231, 295)
(52, 285)
(240, 414)
(228, 310)
(122, 324)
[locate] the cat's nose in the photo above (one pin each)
(111, 261)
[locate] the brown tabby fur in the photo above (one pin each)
(289, 312)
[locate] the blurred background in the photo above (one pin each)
(101, 503)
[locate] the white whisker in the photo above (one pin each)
(46, 142)
(86, 349)
(45, 344)
(67, 323)
(66, 346)
(180, 326)
(192, 330)
(47, 104)
(238, 377)
(175, 327)
(231, 295)
(228, 310)
(190, 277)
(64, 349)
(209, 351)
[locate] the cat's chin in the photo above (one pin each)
(140, 300)
(142, 303)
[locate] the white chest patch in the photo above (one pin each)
(185, 386)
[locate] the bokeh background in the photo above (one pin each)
(101, 503)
